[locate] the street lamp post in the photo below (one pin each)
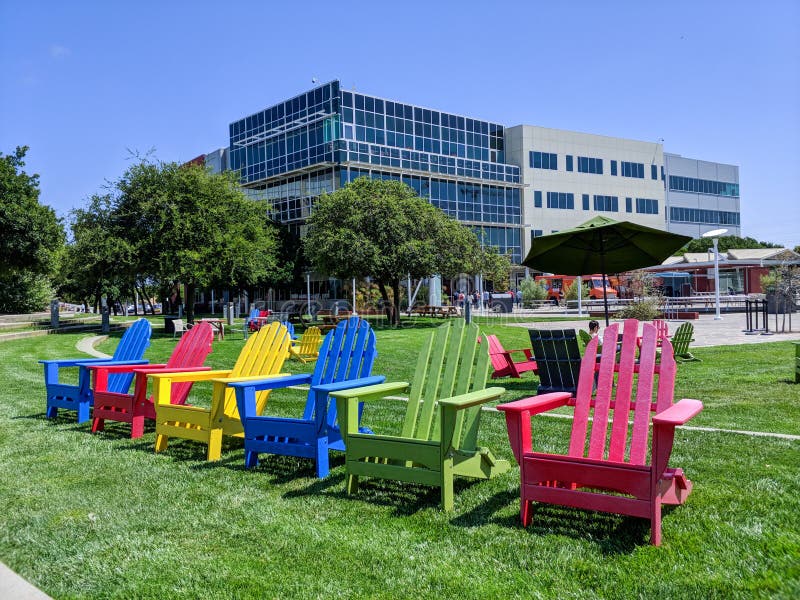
(714, 234)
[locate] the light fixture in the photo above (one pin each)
(714, 234)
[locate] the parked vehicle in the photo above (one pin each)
(556, 284)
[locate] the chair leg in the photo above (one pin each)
(352, 484)
(525, 511)
(655, 521)
(137, 427)
(447, 485)
(214, 444)
(98, 424)
(250, 459)
(52, 412)
(322, 465)
(161, 442)
(83, 412)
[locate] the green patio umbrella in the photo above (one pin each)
(602, 245)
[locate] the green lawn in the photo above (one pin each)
(103, 516)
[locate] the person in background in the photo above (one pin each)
(594, 328)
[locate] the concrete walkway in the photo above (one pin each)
(87, 345)
(707, 331)
(14, 586)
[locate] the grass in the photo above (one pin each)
(103, 516)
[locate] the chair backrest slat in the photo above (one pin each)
(622, 385)
(191, 351)
(558, 359)
(680, 341)
(132, 345)
(622, 398)
(263, 354)
(452, 362)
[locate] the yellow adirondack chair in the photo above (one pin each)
(262, 356)
(306, 349)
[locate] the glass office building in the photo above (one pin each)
(288, 154)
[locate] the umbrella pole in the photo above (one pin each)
(603, 274)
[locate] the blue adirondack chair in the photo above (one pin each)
(345, 361)
(79, 397)
(290, 328)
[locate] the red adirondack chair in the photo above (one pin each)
(584, 480)
(188, 355)
(504, 365)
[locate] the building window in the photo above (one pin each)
(646, 206)
(587, 164)
(585, 198)
(569, 162)
(630, 169)
(544, 160)
(653, 172)
(613, 167)
(536, 233)
(628, 205)
(606, 203)
(560, 200)
(703, 186)
(537, 199)
(699, 215)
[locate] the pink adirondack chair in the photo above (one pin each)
(504, 365)
(662, 328)
(188, 355)
(584, 480)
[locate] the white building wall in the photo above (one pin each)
(681, 166)
(522, 139)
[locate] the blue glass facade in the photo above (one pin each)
(320, 140)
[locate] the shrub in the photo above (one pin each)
(532, 291)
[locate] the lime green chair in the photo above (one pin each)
(439, 436)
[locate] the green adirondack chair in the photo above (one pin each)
(680, 343)
(440, 432)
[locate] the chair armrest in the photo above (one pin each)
(229, 380)
(148, 371)
(536, 404)
(472, 398)
(263, 383)
(80, 362)
(525, 351)
(184, 375)
(352, 383)
(121, 368)
(371, 392)
(679, 413)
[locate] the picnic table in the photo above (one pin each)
(330, 320)
(217, 324)
(436, 311)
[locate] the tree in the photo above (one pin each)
(726, 242)
(190, 226)
(97, 261)
(382, 229)
(31, 241)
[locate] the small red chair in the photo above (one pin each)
(504, 365)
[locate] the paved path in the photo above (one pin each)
(14, 586)
(707, 331)
(87, 345)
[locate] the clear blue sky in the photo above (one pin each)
(81, 83)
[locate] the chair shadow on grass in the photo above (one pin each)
(613, 534)
(405, 498)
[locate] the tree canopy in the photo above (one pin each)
(31, 241)
(382, 229)
(176, 224)
(726, 242)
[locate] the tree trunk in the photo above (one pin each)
(388, 307)
(396, 290)
(190, 302)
